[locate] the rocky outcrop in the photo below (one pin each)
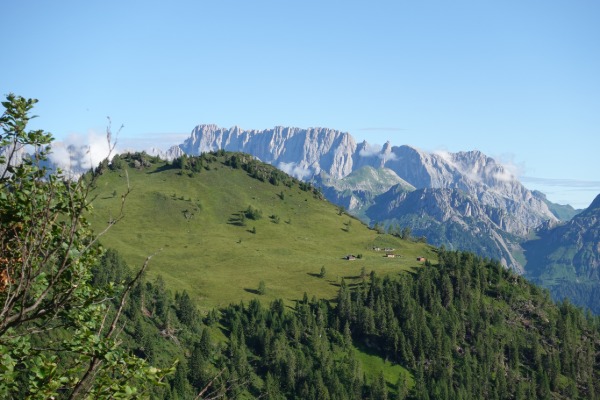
(479, 176)
(172, 153)
(448, 217)
(356, 191)
(301, 152)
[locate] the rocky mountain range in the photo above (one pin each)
(566, 258)
(466, 190)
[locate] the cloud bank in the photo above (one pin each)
(295, 170)
(79, 153)
(370, 150)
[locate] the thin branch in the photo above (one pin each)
(126, 292)
(209, 384)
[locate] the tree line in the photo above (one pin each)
(464, 329)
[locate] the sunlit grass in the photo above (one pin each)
(191, 225)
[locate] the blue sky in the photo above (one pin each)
(518, 80)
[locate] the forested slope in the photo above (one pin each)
(464, 329)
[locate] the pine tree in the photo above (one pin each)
(379, 388)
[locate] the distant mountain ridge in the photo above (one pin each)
(304, 152)
(566, 258)
(470, 181)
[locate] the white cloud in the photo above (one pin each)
(376, 150)
(79, 153)
(370, 150)
(510, 165)
(503, 174)
(448, 158)
(504, 169)
(388, 157)
(295, 170)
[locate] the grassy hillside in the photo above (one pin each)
(464, 327)
(195, 218)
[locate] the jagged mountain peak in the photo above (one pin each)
(595, 204)
(300, 152)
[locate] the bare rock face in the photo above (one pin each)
(300, 152)
(356, 191)
(479, 176)
(448, 217)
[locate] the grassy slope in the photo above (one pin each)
(373, 364)
(219, 262)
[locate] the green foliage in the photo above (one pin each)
(253, 213)
(466, 327)
(117, 163)
(186, 310)
(110, 269)
(451, 322)
(57, 331)
(405, 233)
(323, 272)
(262, 288)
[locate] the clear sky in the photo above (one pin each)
(518, 80)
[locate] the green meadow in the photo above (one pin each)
(192, 225)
